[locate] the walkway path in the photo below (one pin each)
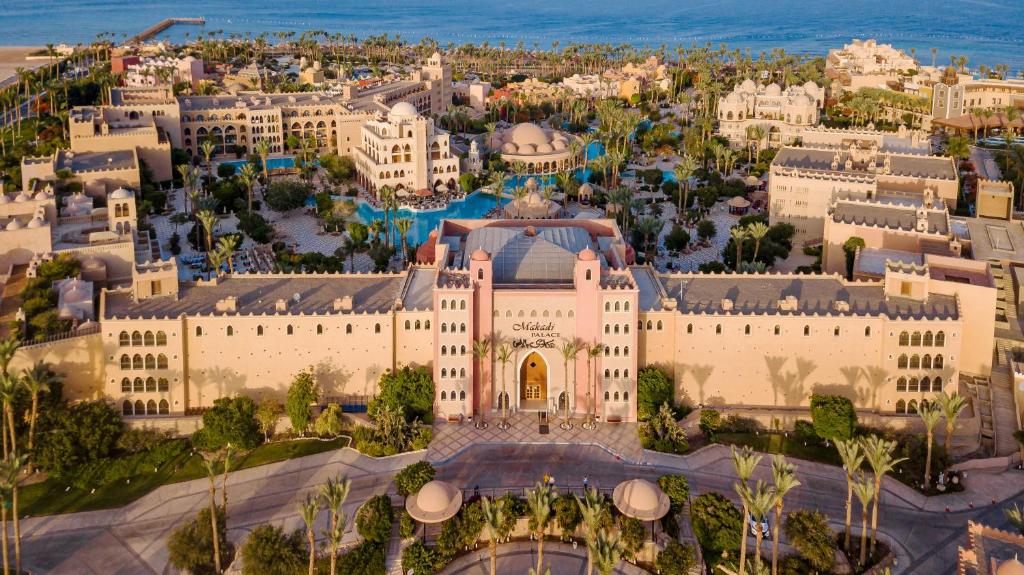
(518, 557)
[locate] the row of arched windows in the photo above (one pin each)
(616, 374)
(608, 396)
(446, 328)
(139, 338)
(616, 328)
(445, 373)
(616, 351)
(446, 396)
(533, 313)
(450, 304)
(418, 325)
(927, 339)
(149, 362)
(658, 326)
(149, 408)
(920, 362)
(150, 385)
(454, 351)
(910, 407)
(617, 306)
(777, 330)
(290, 329)
(914, 385)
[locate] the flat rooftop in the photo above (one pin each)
(996, 240)
(97, 161)
(258, 294)
(891, 216)
(873, 260)
(911, 165)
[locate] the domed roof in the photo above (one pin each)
(509, 148)
(773, 89)
(587, 255)
(545, 149)
(43, 195)
(12, 225)
(555, 145)
(403, 109)
(66, 312)
(534, 199)
(22, 197)
(527, 133)
(479, 255)
(811, 88)
(78, 198)
(586, 188)
(802, 100)
(640, 499)
(76, 294)
(35, 222)
(748, 85)
(527, 148)
(734, 98)
(434, 502)
(120, 194)
(1010, 567)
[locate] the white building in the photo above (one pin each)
(783, 114)
(407, 152)
(153, 71)
(867, 64)
(591, 86)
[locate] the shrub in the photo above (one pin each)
(139, 440)
(284, 195)
(808, 532)
(710, 422)
(302, 393)
(109, 470)
(833, 416)
(269, 551)
(330, 422)
(190, 546)
(255, 226)
(632, 534)
(414, 477)
(804, 431)
(662, 433)
(677, 239)
(406, 525)
(653, 389)
(367, 558)
(230, 420)
(77, 434)
(567, 514)
(706, 230)
(421, 560)
(677, 488)
(225, 170)
(738, 424)
(374, 519)
(676, 559)
(716, 524)
(411, 388)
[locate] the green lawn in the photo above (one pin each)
(779, 443)
(54, 496)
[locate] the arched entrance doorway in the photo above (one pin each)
(533, 382)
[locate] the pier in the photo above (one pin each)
(163, 25)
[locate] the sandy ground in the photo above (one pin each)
(13, 57)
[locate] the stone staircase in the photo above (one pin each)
(10, 299)
(1004, 408)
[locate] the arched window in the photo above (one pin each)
(426, 324)
(199, 331)
(807, 330)
(161, 338)
(408, 325)
(689, 328)
(607, 374)
(123, 339)
(607, 306)
(462, 372)
(126, 362)
(480, 274)
(136, 338)
(444, 374)
(444, 397)
(161, 384)
(462, 395)
(915, 339)
(777, 330)
(937, 384)
(901, 363)
(607, 328)
(138, 386)
(444, 306)
(616, 374)
(606, 395)
(618, 306)
(659, 325)
(835, 331)
(912, 406)
(462, 328)
(161, 361)
(915, 361)
(126, 408)
(625, 306)
(718, 328)
(914, 385)
(616, 351)
(625, 396)
(746, 329)
(607, 351)
(928, 339)
(151, 407)
(650, 325)
(589, 275)
(348, 328)
(150, 361)
(126, 385)
(290, 330)
(418, 325)
(901, 384)
(149, 338)
(938, 362)
(926, 362)
(867, 331)
(259, 330)
(904, 338)
(137, 361)
(140, 408)
(625, 328)
(940, 339)
(230, 331)
(444, 350)
(444, 327)
(462, 304)
(926, 385)
(616, 396)
(462, 350)
(901, 406)
(165, 408)
(625, 351)
(376, 328)
(150, 385)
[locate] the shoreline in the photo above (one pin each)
(14, 57)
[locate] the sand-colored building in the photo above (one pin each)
(782, 114)
(407, 152)
(542, 150)
(591, 86)
(868, 64)
(956, 96)
(157, 70)
(110, 129)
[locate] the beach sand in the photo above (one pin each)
(14, 57)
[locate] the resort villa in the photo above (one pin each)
(867, 64)
(781, 114)
(542, 150)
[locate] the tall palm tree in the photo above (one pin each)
(226, 246)
(540, 500)
(852, 457)
(207, 147)
(227, 456)
(493, 519)
(9, 388)
(759, 502)
(738, 235)
(593, 351)
(403, 225)
(745, 461)
(208, 219)
(309, 508)
(386, 194)
(757, 231)
(951, 405)
(505, 354)
(684, 171)
(784, 480)
(8, 347)
(481, 349)
(569, 349)
(879, 453)
(1015, 515)
(6, 488)
(607, 551)
(211, 472)
(262, 149)
(37, 380)
(930, 416)
(247, 175)
(334, 494)
(497, 184)
(864, 489)
(592, 508)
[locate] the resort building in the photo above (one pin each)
(112, 129)
(868, 64)
(632, 79)
(903, 140)
(955, 96)
(99, 173)
(406, 152)
(531, 285)
(154, 71)
(990, 551)
(591, 86)
(473, 93)
(542, 150)
(804, 182)
(781, 114)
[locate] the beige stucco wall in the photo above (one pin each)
(78, 359)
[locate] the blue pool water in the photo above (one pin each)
(473, 206)
(272, 163)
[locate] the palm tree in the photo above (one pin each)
(480, 350)
(745, 461)
(865, 491)
(951, 405)
(930, 416)
(684, 171)
(37, 380)
(229, 454)
(540, 500)
(493, 519)
(226, 246)
(386, 194)
(757, 231)
(738, 235)
(879, 453)
(1015, 515)
(247, 175)
(9, 387)
(309, 509)
(758, 501)
(569, 349)
(334, 493)
(403, 225)
(592, 508)
(784, 480)
(7, 481)
(8, 347)
(211, 472)
(262, 149)
(607, 551)
(207, 147)
(497, 183)
(852, 457)
(593, 351)
(505, 357)
(208, 219)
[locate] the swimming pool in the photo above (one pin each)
(473, 206)
(272, 163)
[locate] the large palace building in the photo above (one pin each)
(526, 287)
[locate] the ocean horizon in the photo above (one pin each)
(987, 31)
